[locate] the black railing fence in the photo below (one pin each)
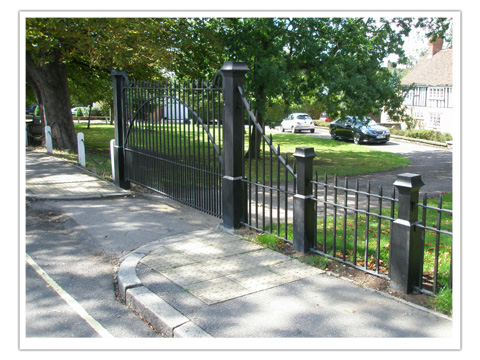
(171, 140)
(202, 145)
(269, 179)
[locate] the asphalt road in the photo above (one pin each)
(74, 295)
(433, 163)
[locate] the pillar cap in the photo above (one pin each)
(304, 152)
(409, 181)
(234, 66)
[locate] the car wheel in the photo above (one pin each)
(283, 129)
(333, 134)
(356, 138)
(293, 130)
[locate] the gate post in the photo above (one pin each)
(406, 258)
(233, 187)
(120, 79)
(304, 216)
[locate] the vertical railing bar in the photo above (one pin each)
(264, 183)
(437, 242)
(345, 220)
(325, 209)
(149, 133)
(367, 225)
(208, 198)
(355, 225)
(250, 187)
(271, 186)
(256, 175)
(278, 192)
(202, 143)
(286, 196)
(197, 148)
(379, 228)
(140, 125)
(335, 191)
(424, 222)
(392, 217)
(315, 192)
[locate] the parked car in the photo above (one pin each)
(359, 129)
(324, 117)
(297, 122)
(84, 110)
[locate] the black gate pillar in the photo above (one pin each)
(233, 188)
(304, 217)
(120, 79)
(406, 258)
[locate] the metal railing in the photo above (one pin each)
(353, 224)
(172, 140)
(437, 246)
(221, 161)
(269, 179)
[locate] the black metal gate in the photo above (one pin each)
(171, 136)
(188, 141)
(270, 180)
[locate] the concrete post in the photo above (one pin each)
(81, 149)
(112, 157)
(233, 188)
(406, 258)
(48, 139)
(304, 217)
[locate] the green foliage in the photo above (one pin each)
(270, 241)
(79, 112)
(36, 111)
(431, 135)
(443, 302)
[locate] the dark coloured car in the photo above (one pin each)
(359, 129)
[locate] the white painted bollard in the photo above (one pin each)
(112, 158)
(48, 139)
(81, 149)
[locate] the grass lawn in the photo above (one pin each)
(340, 158)
(333, 157)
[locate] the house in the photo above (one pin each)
(430, 101)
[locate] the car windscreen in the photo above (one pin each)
(304, 117)
(365, 122)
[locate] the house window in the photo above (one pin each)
(419, 115)
(435, 120)
(436, 93)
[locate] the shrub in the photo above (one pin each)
(430, 135)
(321, 123)
(79, 112)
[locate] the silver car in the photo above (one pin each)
(297, 122)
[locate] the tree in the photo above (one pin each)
(55, 47)
(334, 60)
(337, 61)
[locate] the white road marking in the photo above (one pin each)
(95, 325)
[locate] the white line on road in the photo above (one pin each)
(95, 325)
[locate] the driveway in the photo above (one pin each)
(433, 163)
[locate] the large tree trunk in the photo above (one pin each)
(255, 142)
(51, 82)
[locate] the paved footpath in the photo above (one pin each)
(189, 277)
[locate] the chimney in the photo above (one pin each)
(434, 46)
